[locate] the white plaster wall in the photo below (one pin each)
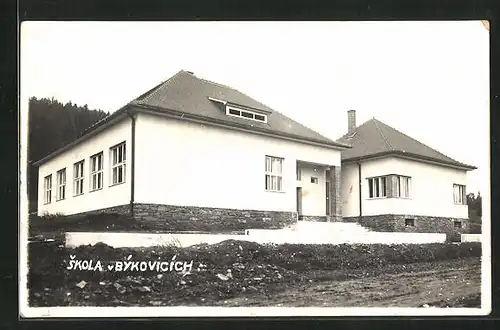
(431, 189)
(182, 163)
(313, 194)
(106, 197)
(349, 190)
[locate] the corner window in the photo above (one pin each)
(61, 184)
(274, 172)
(459, 196)
(78, 178)
(402, 186)
(377, 187)
(47, 189)
(96, 173)
(118, 158)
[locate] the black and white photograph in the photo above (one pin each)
(254, 168)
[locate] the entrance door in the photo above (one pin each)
(327, 185)
(299, 202)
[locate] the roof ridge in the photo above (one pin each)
(146, 96)
(382, 134)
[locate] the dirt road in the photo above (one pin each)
(454, 283)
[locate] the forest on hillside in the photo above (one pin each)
(51, 126)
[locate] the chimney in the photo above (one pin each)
(351, 121)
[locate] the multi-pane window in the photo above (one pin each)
(402, 186)
(246, 114)
(274, 172)
(96, 173)
(118, 159)
(459, 194)
(47, 189)
(61, 184)
(377, 187)
(78, 178)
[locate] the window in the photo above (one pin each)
(299, 174)
(314, 179)
(47, 189)
(459, 194)
(457, 224)
(78, 178)
(377, 187)
(118, 158)
(246, 114)
(96, 172)
(274, 170)
(61, 184)
(409, 222)
(402, 186)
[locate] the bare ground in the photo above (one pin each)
(457, 286)
(289, 275)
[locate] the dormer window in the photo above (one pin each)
(240, 112)
(232, 111)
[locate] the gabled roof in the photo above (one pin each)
(374, 138)
(187, 94)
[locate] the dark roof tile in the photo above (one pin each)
(374, 138)
(186, 93)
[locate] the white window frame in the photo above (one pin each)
(47, 189)
(403, 186)
(61, 185)
(377, 188)
(459, 194)
(274, 174)
(241, 111)
(96, 172)
(118, 159)
(78, 177)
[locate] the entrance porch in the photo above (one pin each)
(318, 192)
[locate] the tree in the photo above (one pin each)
(52, 125)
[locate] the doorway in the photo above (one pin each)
(299, 203)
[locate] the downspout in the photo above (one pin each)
(360, 193)
(132, 165)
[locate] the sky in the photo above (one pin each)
(429, 80)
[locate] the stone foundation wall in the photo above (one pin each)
(313, 218)
(422, 224)
(120, 209)
(191, 218)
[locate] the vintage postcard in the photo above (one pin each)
(254, 169)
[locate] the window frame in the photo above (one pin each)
(78, 181)
(376, 189)
(61, 186)
(47, 189)
(399, 185)
(271, 173)
(119, 164)
(240, 112)
(462, 200)
(96, 173)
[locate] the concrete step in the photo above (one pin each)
(330, 227)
